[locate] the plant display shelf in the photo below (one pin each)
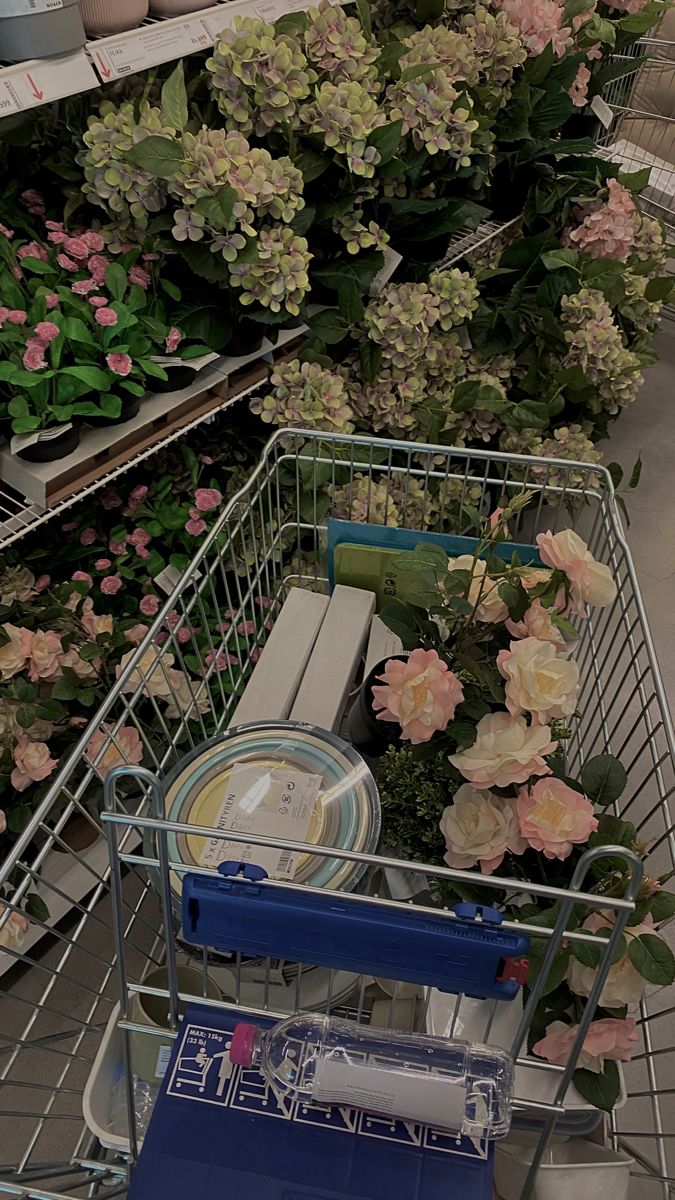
(38, 81)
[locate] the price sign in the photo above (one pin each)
(148, 47)
(37, 82)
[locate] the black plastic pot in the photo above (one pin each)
(581, 125)
(371, 736)
(177, 378)
(52, 449)
(130, 408)
(246, 339)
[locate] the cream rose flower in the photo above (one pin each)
(591, 582)
(13, 654)
(554, 818)
(491, 608)
(480, 827)
(46, 656)
(537, 623)
(33, 763)
(93, 624)
(506, 750)
(82, 668)
(184, 700)
(121, 748)
(14, 930)
(623, 985)
(538, 681)
(16, 583)
(152, 673)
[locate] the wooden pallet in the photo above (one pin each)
(103, 449)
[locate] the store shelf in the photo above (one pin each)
(20, 516)
(29, 84)
(465, 241)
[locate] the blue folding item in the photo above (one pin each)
(251, 914)
(219, 1130)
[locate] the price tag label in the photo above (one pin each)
(602, 110)
(391, 261)
(38, 82)
(272, 802)
(150, 46)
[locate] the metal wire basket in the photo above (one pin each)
(181, 686)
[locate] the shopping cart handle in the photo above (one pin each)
(240, 910)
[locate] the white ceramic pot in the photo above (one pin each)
(575, 1168)
(34, 34)
(176, 8)
(103, 17)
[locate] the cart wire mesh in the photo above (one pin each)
(181, 686)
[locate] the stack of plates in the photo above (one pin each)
(346, 811)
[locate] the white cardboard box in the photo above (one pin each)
(272, 688)
(322, 695)
(382, 643)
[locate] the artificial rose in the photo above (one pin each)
(420, 693)
(207, 498)
(13, 653)
(82, 668)
(609, 1038)
(538, 681)
(136, 634)
(93, 624)
(490, 608)
(151, 673)
(16, 583)
(623, 985)
(537, 623)
(14, 929)
(479, 828)
(506, 750)
(33, 762)
(122, 747)
(591, 582)
(554, 818)
(149, 606)
(184, 701)
(46, 656)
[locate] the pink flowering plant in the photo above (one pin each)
(478, 716)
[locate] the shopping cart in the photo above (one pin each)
(60, 1013)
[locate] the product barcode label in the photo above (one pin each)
(273, 802)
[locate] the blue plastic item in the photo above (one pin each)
(219, 1130)
(472, 954)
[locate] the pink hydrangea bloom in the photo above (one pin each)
(554, 818)
(207, 498)
(173, 339)
(108, 749)
(33, 763)
(578, 92)
(33, 250)
(82, 577)
(34, 202)
(421, 694)
(539, 22)
(17, 316)
(88, 536)
(98, 301)
(34, 356)
(120, 364)
(102, 564)
(609, 1038)
(77, 246)
(607, 228)
(94, 241)
(111, 585)
(51, 300)
(149, 606)
(106, 316)
(82, 287)
(140, 277)
(195, 526)
(47, 331)
(67, 263)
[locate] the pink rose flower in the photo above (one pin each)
(537, 623)
(246, 628)
(34, 356)
(609, 1038)
(506, 750)
(105, 316)
(207, 498)
(591, 582)
(173, 339)
(554, 818)
(93, 240)
(140, 277)
(17, 316)
(142, 552)
(183, 635)
(42, 583)
(82, 287)
(67, 263)
(77, 246)
(46, 656)
(98, 301)
(33, 250)
(102, 564)
(108, 749)
(136, 634)
(421, 694)
(51, 300)
(82, 577)
(88, 536)
(47, 331)
(33, 763)
(34, 202)
(222, 660)
(479, 827)
(195, 526)
(110, 498)
(149, 606)
(140, 537)
(111, 585)
(117, 547)
(98, 265)
(120, 364)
